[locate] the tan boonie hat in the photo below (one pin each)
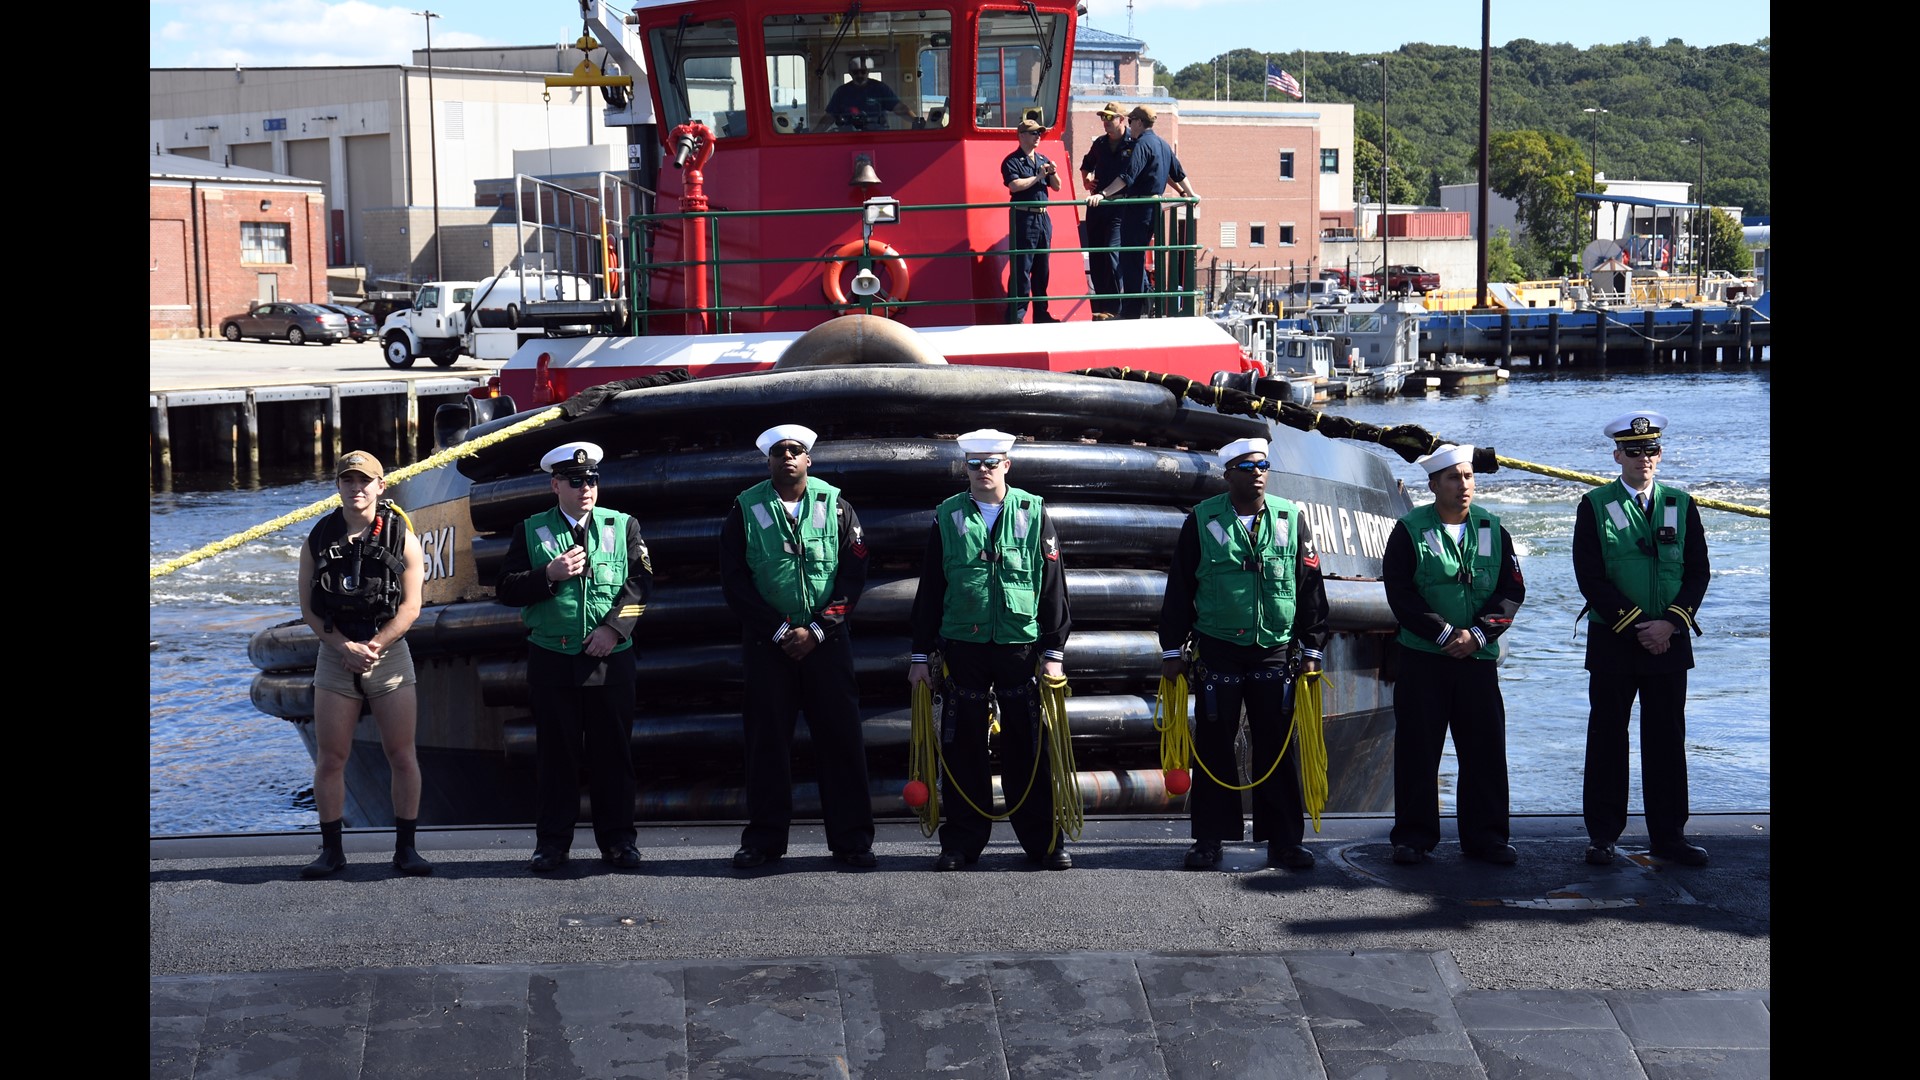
(1111, 108)
(361, 462)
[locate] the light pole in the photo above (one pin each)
(433, 151)
(1593, 163)
(1701, 235)
(1381, 225)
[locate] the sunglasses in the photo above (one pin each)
(1640, 451)
(988, 464)
(584, 480)
(1251, 466)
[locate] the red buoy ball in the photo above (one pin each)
(915, 794)
(1178, 781)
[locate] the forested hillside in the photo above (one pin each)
(1658, 99)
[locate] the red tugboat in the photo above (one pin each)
(725, 291)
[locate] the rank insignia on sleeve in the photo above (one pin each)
(1309, 556)
(1053, 549)
(646, 559)
(859, 542)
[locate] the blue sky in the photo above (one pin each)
(280, 33)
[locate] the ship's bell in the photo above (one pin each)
(863, 173)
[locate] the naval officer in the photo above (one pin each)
(1640, 559)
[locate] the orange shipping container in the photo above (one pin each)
(1431, 223)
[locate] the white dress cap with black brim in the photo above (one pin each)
(1446, 457)
(1239, 447)
(986, 441)
(774, 436)
(1637, 427)
(573, 457)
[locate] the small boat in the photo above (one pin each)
(792, 306)
(1452, 372)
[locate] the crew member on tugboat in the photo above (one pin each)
(1028, 175)
(581, 575)
(993, 598)
(361, 574)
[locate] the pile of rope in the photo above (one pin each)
(926, 763)
(1176, 739)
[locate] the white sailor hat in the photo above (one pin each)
(774, 436)
(1446, 457)
(986, 441)
(1637, 427)
(1239, 447)
(573, 457)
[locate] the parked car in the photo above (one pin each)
(297, 323)
(360, 325)
(1408, 278)
(1323, 290)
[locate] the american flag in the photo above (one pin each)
(1283, 82)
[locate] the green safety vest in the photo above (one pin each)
(793, 563)
(1438, 566)
(1246, 586)
(993, 590)
(1649, 579)
(561, 624)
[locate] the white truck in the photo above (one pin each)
(488, 319)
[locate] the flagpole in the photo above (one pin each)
(1263, 81)
(1303, 74)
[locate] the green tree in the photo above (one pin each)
(1726, 243)
(1540, 171)
(1503, 264)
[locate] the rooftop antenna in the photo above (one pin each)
(1129, 18)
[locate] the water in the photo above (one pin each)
(217, 765)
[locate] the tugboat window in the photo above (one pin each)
(701, 77)
(1019, 70)
(873, 72)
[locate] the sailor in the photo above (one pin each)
(1245, 590)
(993, 602)
(1151, 166)
(581, 575)
(1640, 559)
(1104, 160)
(1454, 584)
(1028, 174)
(361, 573)
(793, 562)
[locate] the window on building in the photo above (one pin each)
(1256, 236)
(1096, 72)
(266, 242)
(1330, 160)
(1286, 164)
(1286, 236)
(1229, 234)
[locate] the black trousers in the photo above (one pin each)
(1136, 231)
(1437, 694)
(1007, 670)
(778, 689)
(582, 715)
(1103, 263)
(1237, 676)
(1029, 273)
(1663, 754)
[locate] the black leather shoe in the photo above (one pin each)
(862, 859)
(749, 857)
(546, 861)
(329, 863)
(1406, 855)
(1293, 858)
(1681, 852)
(1057, 859)
(1203, 856)
(950, 860)
(1498, 855)
(408, 861)
(1600, 855)
(624, 857)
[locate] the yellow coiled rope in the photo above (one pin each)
(926, 762)
(1069, 813)
(1313, 743)
(268, 528)
(1170, 720)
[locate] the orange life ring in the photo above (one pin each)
(883, 255)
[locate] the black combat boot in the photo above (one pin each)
(332, 860)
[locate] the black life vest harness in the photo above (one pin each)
(359, 580)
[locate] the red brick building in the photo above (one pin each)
(221, 238)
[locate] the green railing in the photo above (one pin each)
(1172, 253)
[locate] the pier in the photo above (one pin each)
(1595, 337)
(242, 408)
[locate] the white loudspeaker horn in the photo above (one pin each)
(865, 283)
